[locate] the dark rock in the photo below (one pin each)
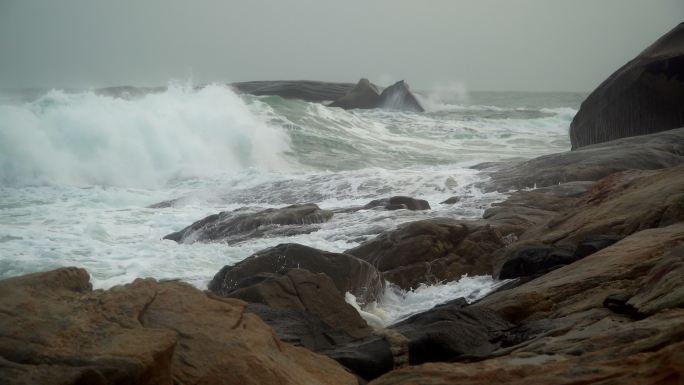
(310, 91)
(451, 331)
(451, 201)
(399, 202)
(346, 271)
(431, 250)
(523, 261)
(644, 96)
(591, 163)
(314, 293)
(618, 303)
(239, 225)
(368, 358)
(399, 97)
(594, 243)
(364, 95)
(300, 328)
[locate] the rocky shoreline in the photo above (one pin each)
(591, 241)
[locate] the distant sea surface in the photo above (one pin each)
(79, 169)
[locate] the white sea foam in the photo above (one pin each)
(396, 305)
(85, 138)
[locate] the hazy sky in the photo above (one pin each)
(483, 44)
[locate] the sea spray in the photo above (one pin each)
(85, 138)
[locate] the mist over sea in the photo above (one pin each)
(78, 170)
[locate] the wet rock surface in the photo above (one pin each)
(347, 272)
(431, 250)
(313, 293)
(399, 97)
(239, 225)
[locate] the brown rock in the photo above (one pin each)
(55, 330)
(431, 250)
(565, 335)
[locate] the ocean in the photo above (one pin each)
(79, 170)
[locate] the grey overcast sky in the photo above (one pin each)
(536, 45)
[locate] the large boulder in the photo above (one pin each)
(431, 250)
(399, 97)
(239, 225)
(55, 330)
(310, 91)
(299, 289)
(364, 95)
(644, 96)
(591, 163)
(349, 274)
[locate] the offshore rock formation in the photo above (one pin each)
(645, 96)
(399, 97)
(310, 91)
(364, 95)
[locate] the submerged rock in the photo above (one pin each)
(145, 332)
(399, 202)
(238, 225)
(364, 95)
(350, 274)
(644, 96)
(399, 97)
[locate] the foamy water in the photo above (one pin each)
(79, 170)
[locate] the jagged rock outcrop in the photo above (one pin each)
(644, 96)
(399, 97)
(349, 274)
(364, 95)
(55, 330)
(242, 224)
